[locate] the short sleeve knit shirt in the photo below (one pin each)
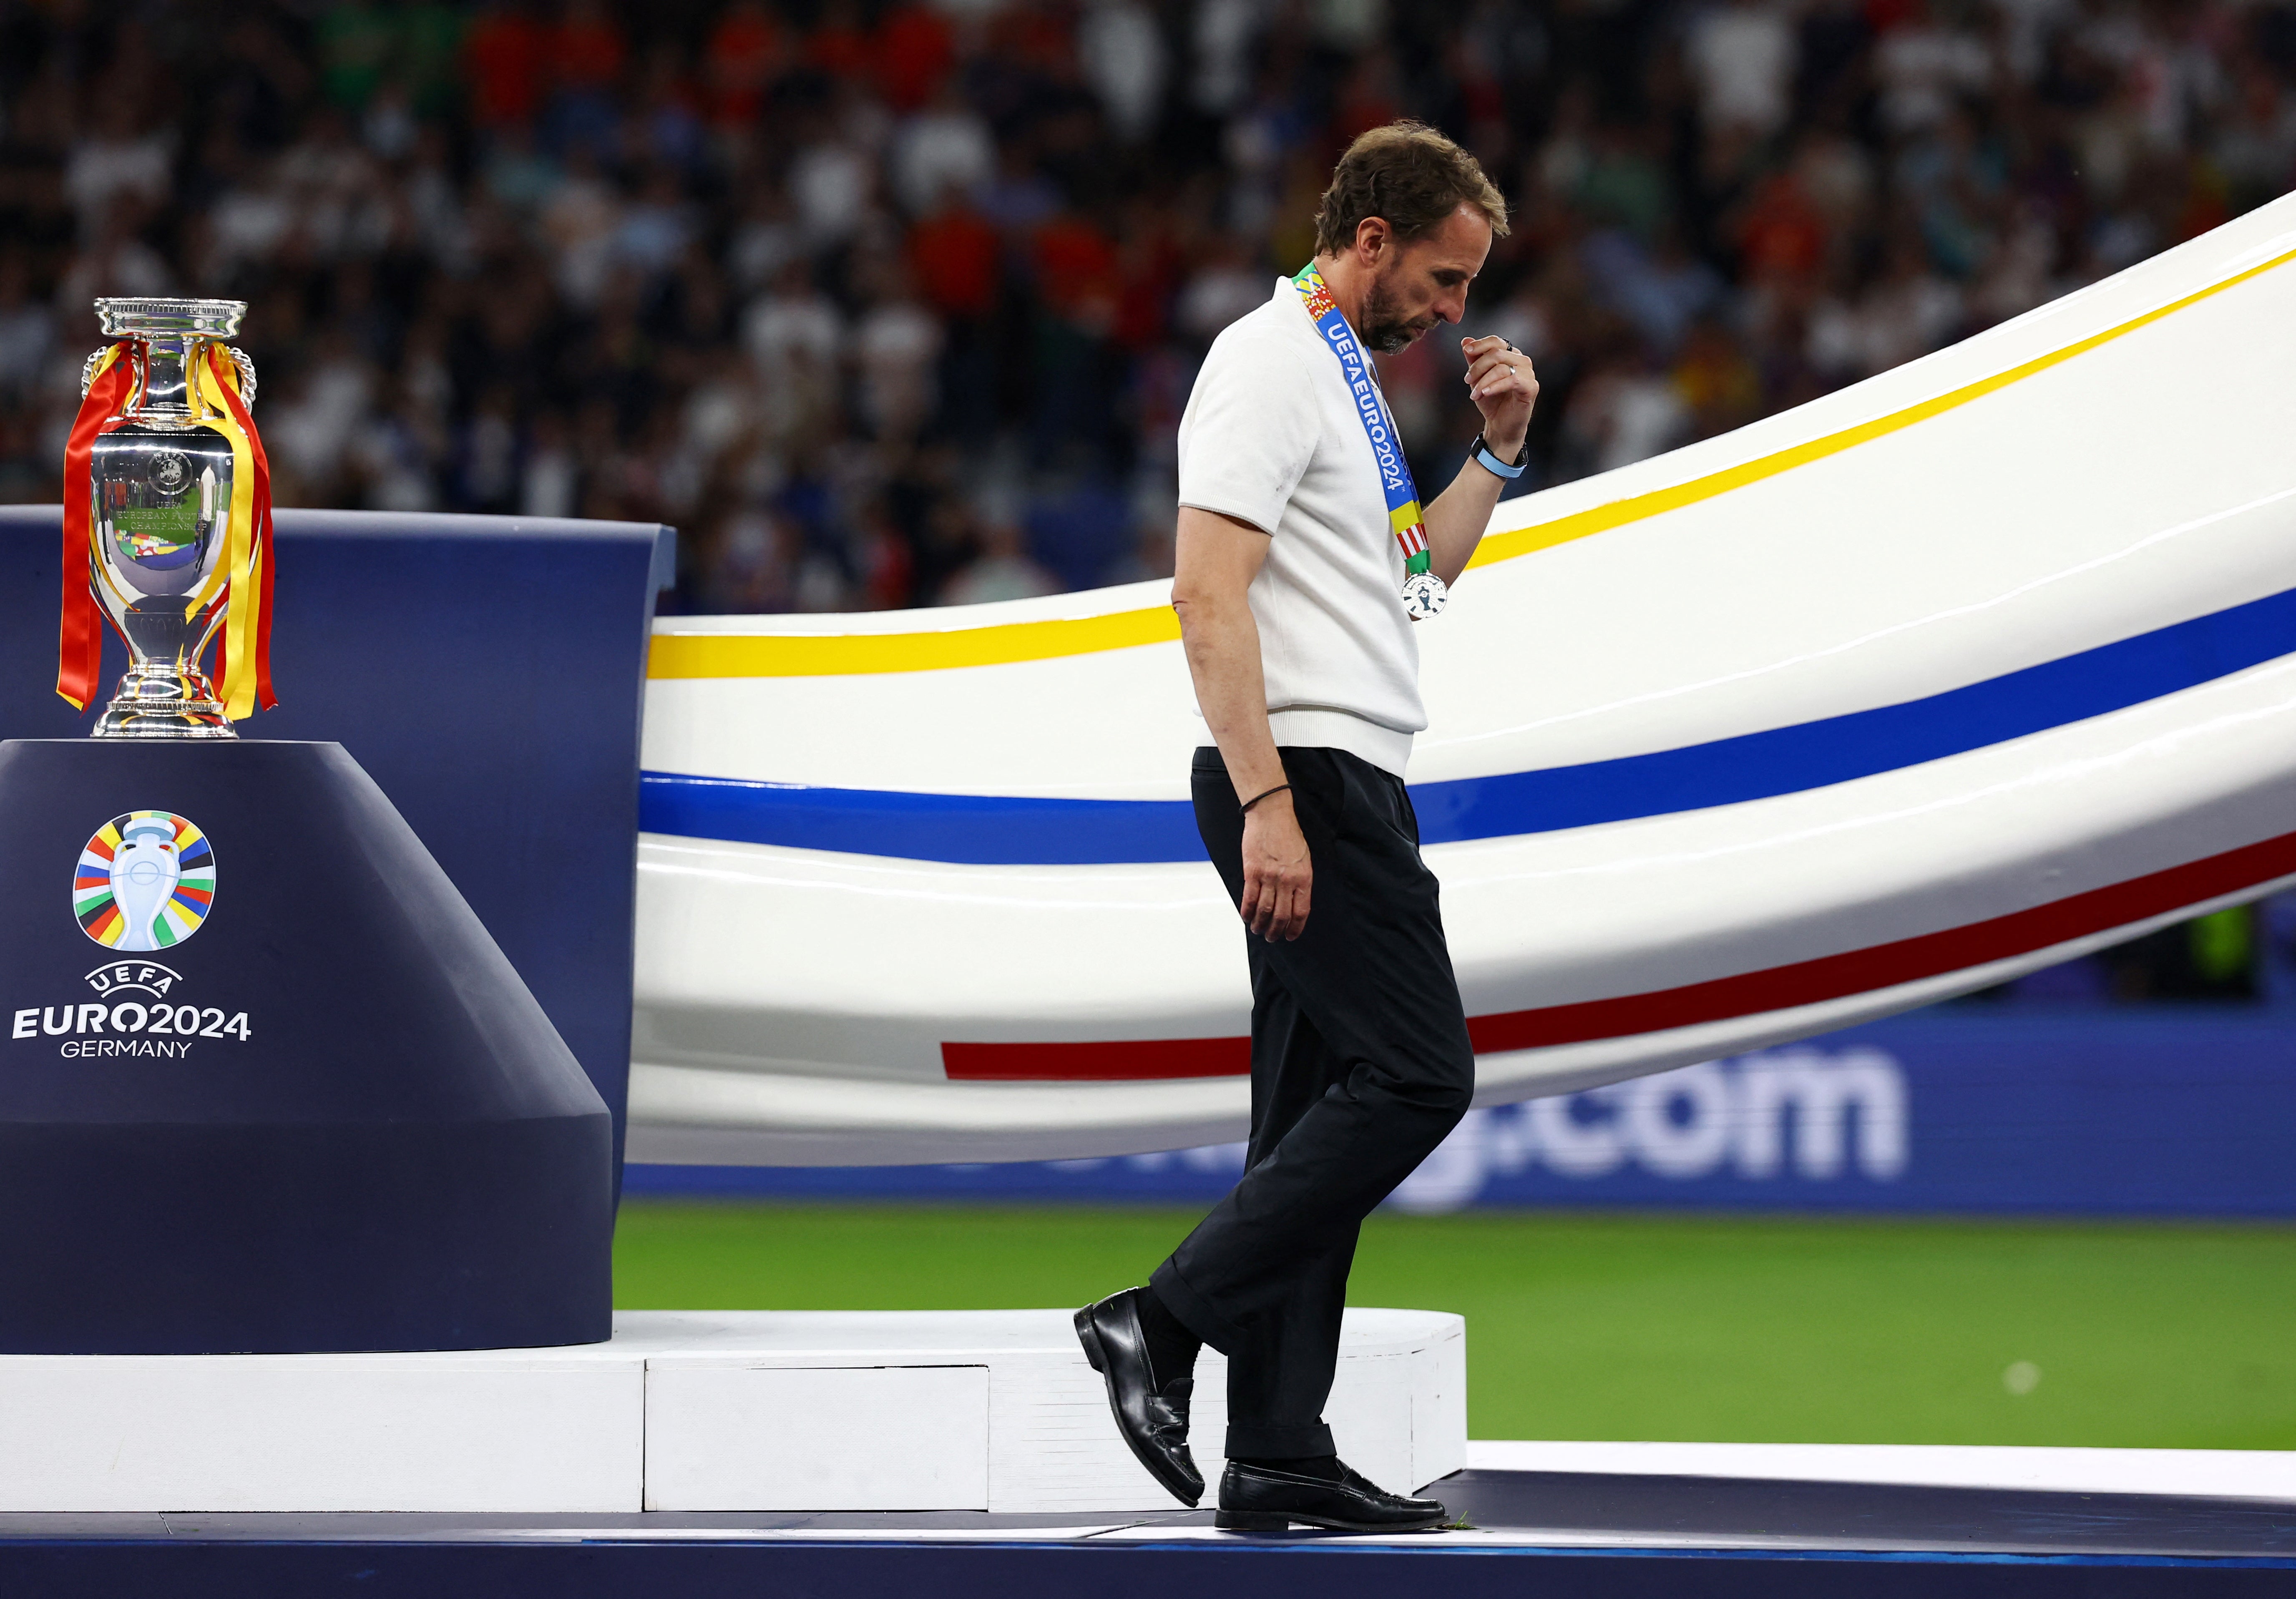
(1271, 438)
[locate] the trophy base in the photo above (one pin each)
(164, 704)
(182, 721)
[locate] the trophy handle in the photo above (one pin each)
(239, 358)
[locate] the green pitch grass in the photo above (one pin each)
(1755, 1330)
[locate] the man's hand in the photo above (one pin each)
(1276, 870)
(1505, 386)
(1500, 378)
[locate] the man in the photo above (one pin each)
(1303, 562)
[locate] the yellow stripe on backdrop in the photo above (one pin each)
(836, 655)
(840, 654)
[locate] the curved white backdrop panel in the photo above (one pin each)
(1977, 664)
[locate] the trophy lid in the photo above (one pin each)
(209, 319)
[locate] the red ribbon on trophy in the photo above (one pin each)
(79, 643)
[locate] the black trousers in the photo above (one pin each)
(1360, 1065)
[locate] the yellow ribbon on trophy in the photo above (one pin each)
(244, 658)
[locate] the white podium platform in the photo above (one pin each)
(988, 1410)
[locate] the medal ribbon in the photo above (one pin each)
(243, 659)
(79, 638)
(1403, 515)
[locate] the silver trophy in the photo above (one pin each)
(159, 519)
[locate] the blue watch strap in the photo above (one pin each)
(1492, 464)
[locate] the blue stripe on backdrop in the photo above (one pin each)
(982, 829)
(989, 830)
(1956, 1110)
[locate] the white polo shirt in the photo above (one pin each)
(1271, 436)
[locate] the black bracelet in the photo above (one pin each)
(1255, 799)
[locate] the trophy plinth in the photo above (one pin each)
(164, 487)
(266, 1083)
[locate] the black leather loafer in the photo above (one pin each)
(1256, 1499)
(1152, 1418)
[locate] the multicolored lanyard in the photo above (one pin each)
(1424, 593)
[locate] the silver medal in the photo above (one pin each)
(1423, 596)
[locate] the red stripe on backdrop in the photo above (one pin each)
(1749, 994)
(1886, 965)
(1131, 1060)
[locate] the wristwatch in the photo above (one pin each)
(1483, 455)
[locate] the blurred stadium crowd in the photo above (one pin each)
(898, 303)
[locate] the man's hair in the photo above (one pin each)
(1409, 175)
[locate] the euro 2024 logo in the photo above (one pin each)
(145, 881)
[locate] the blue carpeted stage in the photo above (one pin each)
(1585, 1535)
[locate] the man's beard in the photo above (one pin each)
(1383, 329)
